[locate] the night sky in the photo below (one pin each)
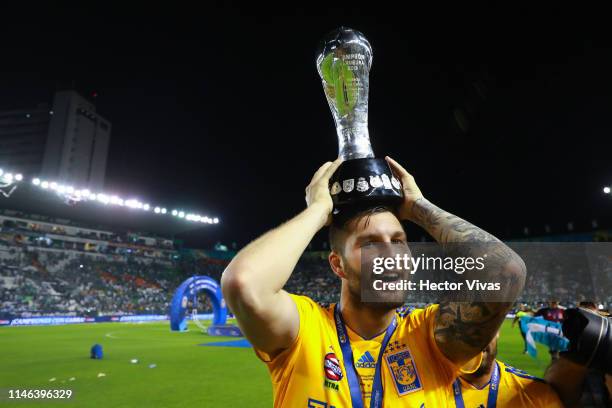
(503, 116)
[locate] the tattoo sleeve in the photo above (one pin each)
(463, 329)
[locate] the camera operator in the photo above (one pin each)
(581, 376)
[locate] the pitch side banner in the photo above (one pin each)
(60, 320)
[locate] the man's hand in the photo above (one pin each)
(567, 379)
(411, 191)
(317, 192)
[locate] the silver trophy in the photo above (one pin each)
(343, 61)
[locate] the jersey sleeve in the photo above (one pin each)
(283, 363)
(543, 395)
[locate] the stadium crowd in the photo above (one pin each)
(61, 279)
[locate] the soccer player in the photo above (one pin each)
(497, 384)
(354, 353)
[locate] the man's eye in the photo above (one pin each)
(367, 244)
(398, 241)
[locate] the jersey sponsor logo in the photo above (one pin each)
(331, 366)
(404, 372)
(366, 361)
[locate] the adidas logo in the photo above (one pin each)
(366, 361)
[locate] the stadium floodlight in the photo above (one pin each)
(71, 193)
(132, 203)
(136, 204)
(116, 201)
(606, 190)
(103, 198)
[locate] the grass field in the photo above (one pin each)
(185, 375)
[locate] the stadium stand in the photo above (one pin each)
(48, 268)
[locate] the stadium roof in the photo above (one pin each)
(29, 199)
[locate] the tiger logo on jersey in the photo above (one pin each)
(404, 372)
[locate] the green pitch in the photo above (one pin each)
(186, 375)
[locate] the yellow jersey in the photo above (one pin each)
(516, 389)
(311, 373)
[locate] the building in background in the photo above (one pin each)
(23, 135)
(67, 143)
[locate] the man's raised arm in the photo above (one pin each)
(463, 329)
(252, 283)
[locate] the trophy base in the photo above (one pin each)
(361, 181)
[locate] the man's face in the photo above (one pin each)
(383, 227)
(553, 304)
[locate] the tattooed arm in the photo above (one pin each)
(464, 329)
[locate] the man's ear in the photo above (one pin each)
(336, 263)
